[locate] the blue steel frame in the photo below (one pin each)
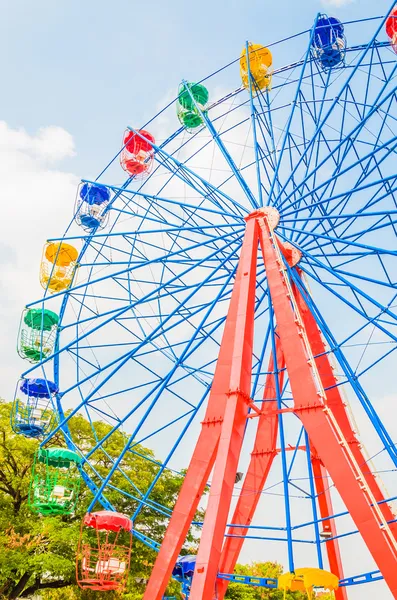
(155, 287)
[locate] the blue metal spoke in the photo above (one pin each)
(218, 141)
(344, 86)
(287, 128)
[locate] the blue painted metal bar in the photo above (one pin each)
(253, 121)
(266, 582)
(218, 141)
(282, 444)
(358, 579)
(288, 125)
(271, 539)
(352, 74)
(271, 583)
(380, 213)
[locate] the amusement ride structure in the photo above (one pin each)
(225, 305)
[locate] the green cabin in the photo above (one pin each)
(37, 333)
(55, 482)
(191, 106)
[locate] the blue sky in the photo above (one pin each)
(93, 67)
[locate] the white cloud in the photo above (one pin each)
(37, 200)
(50, 143)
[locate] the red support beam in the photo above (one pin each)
(230, 388)
(262, 458)
(323, 415)
(337, 404)
(319, 472)
(237, 386)
(328, 525)
(317, 416)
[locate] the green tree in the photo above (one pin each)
(38, 553)
(237, 591)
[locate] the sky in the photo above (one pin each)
(92, 67)
(74, 75)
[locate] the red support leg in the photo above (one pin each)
(318, 419)
(292, 256)
(336, 403)
(320, 474)
(237, 386)
(338, 406)
(232, 381)
(262, 458)
(257, 474)
(328, 525)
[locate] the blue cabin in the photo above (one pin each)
(33, 413)
(183, 572)
(329, 42)
(91, 203)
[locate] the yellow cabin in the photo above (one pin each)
(260, 61)
(304, 580)
(58, 266)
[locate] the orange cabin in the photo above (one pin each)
(104, 552)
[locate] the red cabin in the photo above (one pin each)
(104, 552)
(391, 28)
(137, 154)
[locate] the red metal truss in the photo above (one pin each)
(324, 499)
(328, 525)
(258, 471)
(231, 387)
(262, 458)
(317, 417)
(337, 404)
(317, 403)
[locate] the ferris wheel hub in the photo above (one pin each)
(289, 251)
(272, 215)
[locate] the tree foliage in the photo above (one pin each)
(272, 570)
(37, 553)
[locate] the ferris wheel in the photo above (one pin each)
(229, 304)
